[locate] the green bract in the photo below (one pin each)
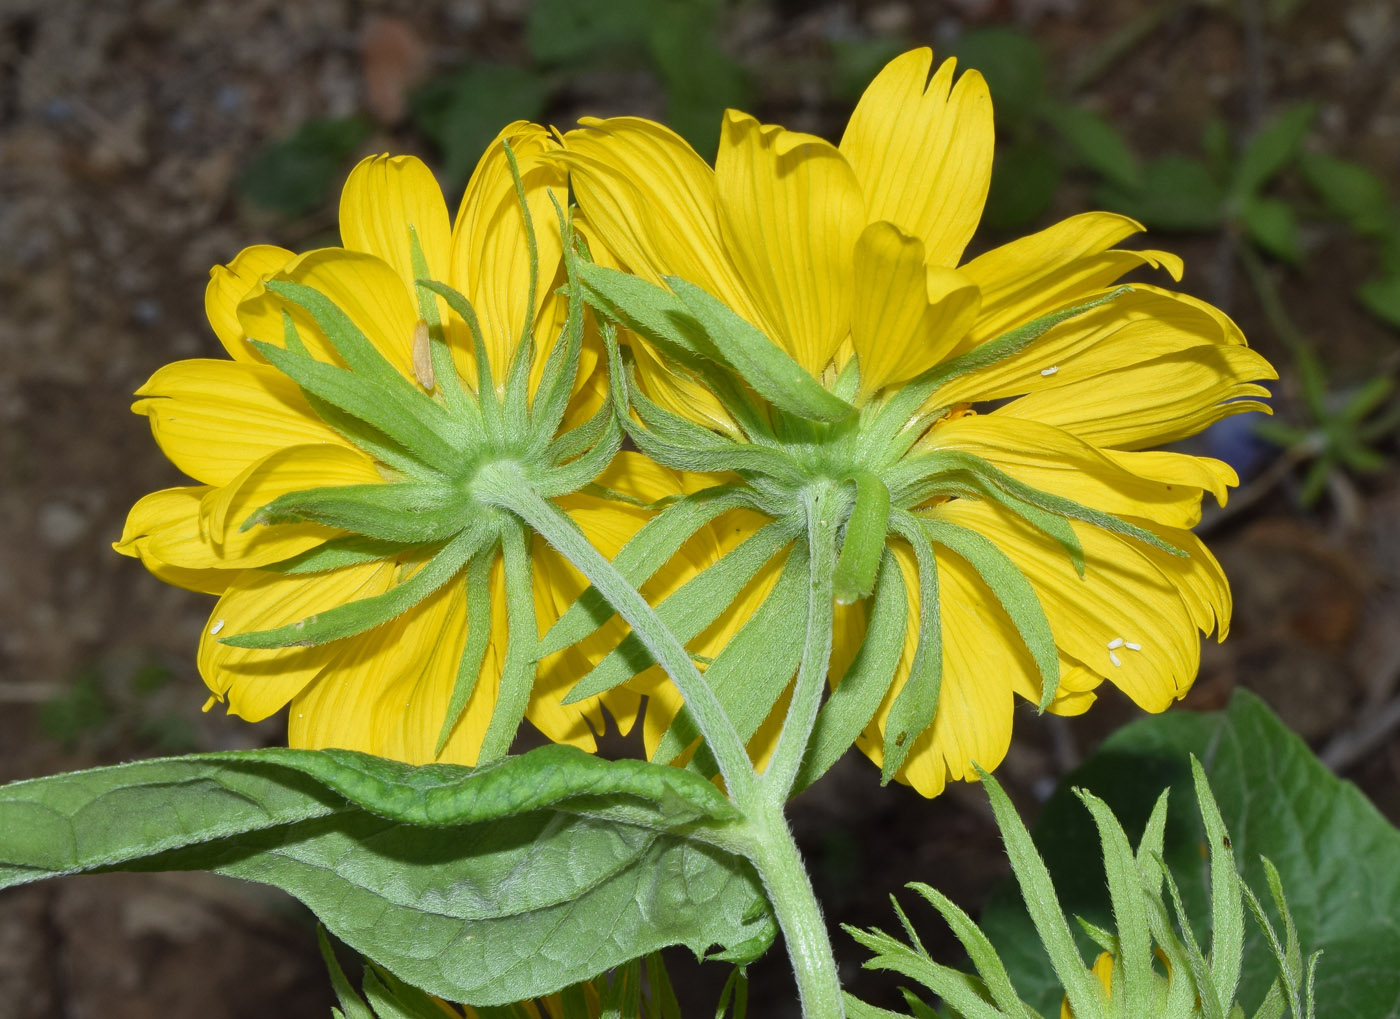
(840, 483)
(446, 444)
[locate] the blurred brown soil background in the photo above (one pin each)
(124, 128)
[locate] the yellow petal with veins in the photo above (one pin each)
(1052, 460)
(225, 511)
(790, 213)
(214, 418)
(922, 151)
(383, 197)
(229, 284)
(652, 203)
(1153, 402)
(258, 682)
(904, 316)
(163, 527)
(365, 287)
(490, 262)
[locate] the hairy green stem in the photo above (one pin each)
(779, 864)
(767, 842)
(508, 490)
(816, 651)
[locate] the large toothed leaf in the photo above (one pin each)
(759, 361)
(1338, 858)
(482, 886)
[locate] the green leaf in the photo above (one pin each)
(1095, 143)
(1177, 193)
(691, 608)
(1351, 192)
(1272, 226)
(1134, 956)
(1272, 149)
(353, 1005)
(849, 708)
(462, 111)
(1012, 64)
(1382, 298)
(1337, 857)
(294, 176)
(418, 427)
(978, 948)
(1013, 592)
(647, 551)
(1025, 176)
(916, 704)
(366, 613)
(482, 886)
(773, 636)
(404, 512)
(759, 361)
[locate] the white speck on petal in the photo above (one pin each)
(1116, 642)
(1051, 370)
(214, 630)
(1112, 657)
(1133, 647)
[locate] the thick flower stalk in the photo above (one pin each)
(340, 449)
(956, 451)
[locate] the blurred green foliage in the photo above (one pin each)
(105, 705)
(678, 41)
(293, 176)
(462, 111)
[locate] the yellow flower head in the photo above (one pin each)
(1024, 459)
(347, 421)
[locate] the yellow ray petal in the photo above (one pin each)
(1122, 596)
(364, 287)
(923, 153)
(1154, 402)
(1074, 283)
(229, 284)
(904, 316)
(214, 418)
(1167, 489)
(1013, 276)
(386, 691)
(162, 530)
(383, 197)
(258, 682)
(790, 213)
(294, 469)
(665, 383)
(652, 203)
(1135, 327)
(982, 655)
(490, 261)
